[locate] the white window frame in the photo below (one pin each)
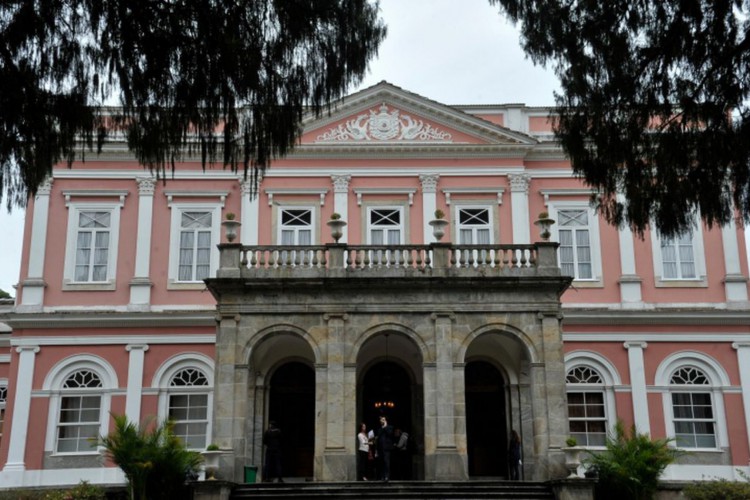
(74, 211)
(3, 406)
(401, 225)
(53, 386)
(610, 377)
(165, 373)
(718, 381)
(594, 238)
(699, 258)
(174, 241)
(313, 222)
(490, 225)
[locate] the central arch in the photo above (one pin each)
(486, 420)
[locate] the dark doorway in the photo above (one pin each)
(292, 406)
(388, 382)
(486, 432)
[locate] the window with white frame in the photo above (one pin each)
(474, 225)
(678, 257)
(91, 249)
(194, 236)
(577, 231)
(3, 403)
(80, 413)
(188, 407)
(385, 225)
(692, 409)
(587, 408)
(296, 226)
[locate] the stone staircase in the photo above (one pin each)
(422, 490)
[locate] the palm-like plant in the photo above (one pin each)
(630, 467)
(155, 461)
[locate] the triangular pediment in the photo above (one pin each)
(386, 114)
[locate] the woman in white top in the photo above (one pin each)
(363, 449)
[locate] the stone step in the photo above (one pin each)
(422, 490)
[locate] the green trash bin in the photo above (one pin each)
(251, 473)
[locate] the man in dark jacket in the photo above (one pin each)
(385, 446)
(272, 441)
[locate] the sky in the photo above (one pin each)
(450, 51)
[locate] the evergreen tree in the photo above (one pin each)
(228, 80)
(654, 103)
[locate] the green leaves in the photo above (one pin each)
(654, 103)
(224, 79)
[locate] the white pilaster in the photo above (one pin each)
(33, 285)
(743, 361)
(630, 282)
(341, 200)
(135, 381)
(638, 386)
(140, 285)
(735, 284)
(519, 201)
(249, 209)
(429, 204)
(21, 409)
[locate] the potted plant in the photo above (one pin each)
(438, 225)
(544, 223)
(230, 226)
(211, 460)
(572, 456)
(336, 223)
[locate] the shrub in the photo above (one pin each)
(155, 462)
(571, 442)
(717, 490)
(630, 466)
(83, 491)
(335, 216)
(439, 214)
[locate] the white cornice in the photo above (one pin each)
(95, 193)
(646, 337)
(683, 316)
(498, 191)
(89, 319)
(407, 191)
(161, 339)
(321, 192)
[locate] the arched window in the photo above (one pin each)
(189, 406)
(587, 406)
(79, 418)
(692, 408)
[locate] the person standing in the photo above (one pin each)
(514, 455)
(363, 450)
(272, 442)
(385, 446)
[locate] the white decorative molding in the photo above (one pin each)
(429, 182)
(45, 188)
(146, 185)
(384, 125)
(564, 192)
(172, 194)
(100, 193)
(498, 191)
(519, 183)
(407, 191)
(296, 191)
(639, 394)
(341, 183)
(78, 340)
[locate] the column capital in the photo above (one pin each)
(45, 188)
(146, 185)
(635, 345)
(439, 315)
(341, 183)
(519, 183)
(136, 347)
(332, 316)
(740, 345)
(429, 182)
(27, 348)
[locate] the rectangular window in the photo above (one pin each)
(78, 427)
(587, 418)
(385, 226)
(474, 226)
(92, 246)
(296, 226)
(678, 259)
(693, 420)
(195, 245)
(190, 415)
(575, 243)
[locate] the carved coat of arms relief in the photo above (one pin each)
(384, 125)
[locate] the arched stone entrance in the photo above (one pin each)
(486, 420)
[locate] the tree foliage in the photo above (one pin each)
(228, 80)
(654, 103)
(155, 461)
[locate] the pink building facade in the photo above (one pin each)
(112, 313)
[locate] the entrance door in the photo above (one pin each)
(486, 432)
(292, 406)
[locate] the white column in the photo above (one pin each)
(630, 282)
(429, 205)
(341, 200)
(21, 409)
(134, 393)
(638, 386)
(140, 285)
(743, 361)
(250, 214)
(519, 202)
(735, 284)
(33, 286)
